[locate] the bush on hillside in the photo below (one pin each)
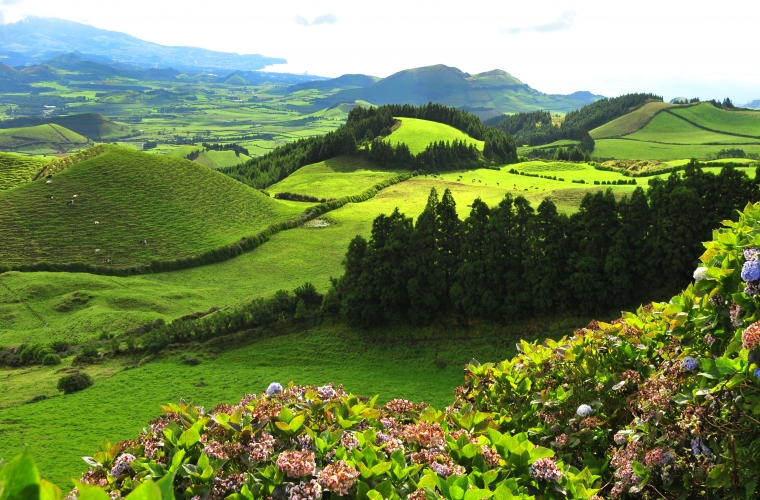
(51, 360)
(74, 382)
(663, 403)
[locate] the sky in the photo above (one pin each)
(672, 48)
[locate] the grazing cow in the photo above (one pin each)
(70, 202)
(97, 250)
(96, 222)
(74, 195)
(107, 261)
(48, 181)
(497, 183)
(143, 242)
(49, 197)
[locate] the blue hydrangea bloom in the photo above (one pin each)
(751, 270)
(689, 364)
(273, 389)
(756, 373)
(699, 447)
(700, 273)
(584, 411)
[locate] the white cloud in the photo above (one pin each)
(323, 19)
(564, 22)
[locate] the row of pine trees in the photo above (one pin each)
(511, 262)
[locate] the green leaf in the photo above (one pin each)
(385, 488)
(470, 450)
(477, 494)
(21, 478)
(725, 366)
(297, 422)
(381, 468)
(189, 438)
(283, 426)
(87, 492)
(374, 495)
(48, 491)
(540, 452)
(719, 477)
(177, 460)
(503, 492)
(146, 491)
(286, 415)
(166, 485)
(456, 493)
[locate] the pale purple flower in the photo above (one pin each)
(700, 273)
(273, 389)
(584, 411)
(689, 364)
(751, 271)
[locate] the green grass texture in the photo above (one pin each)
(40, 137)
(334, 178)
(668, 128)
(631, 122)
(730, 122)
(180, 208)
(16, 170)
(417, 134)
(641, 150)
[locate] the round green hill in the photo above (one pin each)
(418, 134)
(98, 212)
(49, 137)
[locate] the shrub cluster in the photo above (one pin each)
(33, 354)
(74, 382)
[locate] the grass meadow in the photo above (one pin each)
(102, 208)
(641, 150)
(334, 178)
(420, 369)
(417, 134)
(40, 137)
(729, 122)
(631, 122)
(668, 128)
(16, 170)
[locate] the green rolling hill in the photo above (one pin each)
(49, 138)
(98, 211)
(16, 170)
(417, 134)
(93, 126)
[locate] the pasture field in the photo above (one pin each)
(669, 128)
(417, 134)
(16, 170)
(729, 122)
(102, 208)
(221, 159)
(419, 370)
(631, 122)
(334, 178)
(641, 150)
(48, 137)
(80, 306)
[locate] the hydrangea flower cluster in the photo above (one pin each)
(751, 336)
(751, 272)
(699, 447)
(306, 491)
(700, 273)
(273, 389)
(122, 464)
(689, 364)
(546, 469)
(584, 411)
(756, 373)
(338, 477)
(296, 463)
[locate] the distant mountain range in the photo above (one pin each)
(752, 104)
(485, 94)
(35, 40)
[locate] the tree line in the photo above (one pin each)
(364, 128)
(535, 128)
(511, 262)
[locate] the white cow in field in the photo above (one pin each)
(96, 222)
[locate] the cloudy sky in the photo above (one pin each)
(670, 47)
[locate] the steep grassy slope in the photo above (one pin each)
(41, 137)
(334, 178)
(417, 134)
(633, 121)
(730, 122)
(640, 150)
(92, 125)
(16, 169)
(668, 128)
(122, 197)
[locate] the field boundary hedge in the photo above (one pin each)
(218, 254)
(710, 129)
(60, 164)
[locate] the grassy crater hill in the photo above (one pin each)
(41, 138)
(98, 212)
(418, 134)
